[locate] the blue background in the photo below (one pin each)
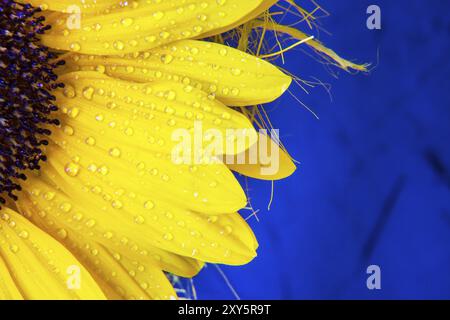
(373, 185)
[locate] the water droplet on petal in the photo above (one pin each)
(72, 169)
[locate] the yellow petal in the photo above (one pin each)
(120, 183)
(150, 279)
(8, 289)
(144, 25)
(234, 77)
(264, 5)
(122, 133)
(38, 264)
(223, 238)
(119, 276)
(269, 162)
(83, 247)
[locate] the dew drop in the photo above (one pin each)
(115, 152)
(88, 93)
(168, 236)
(62, 233)
(75, 46)
(158, 15)
(149, 205)
(139, 219)
(90, 223)
(119, 45)
(72, 169)
(117, 204)
(24, 234)
(126, 22)
(166, 58)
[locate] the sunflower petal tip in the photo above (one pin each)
(287, 83)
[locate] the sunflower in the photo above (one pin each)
(88, 187)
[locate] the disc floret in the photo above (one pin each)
(27, 78)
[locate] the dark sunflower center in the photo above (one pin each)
(26, 80)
